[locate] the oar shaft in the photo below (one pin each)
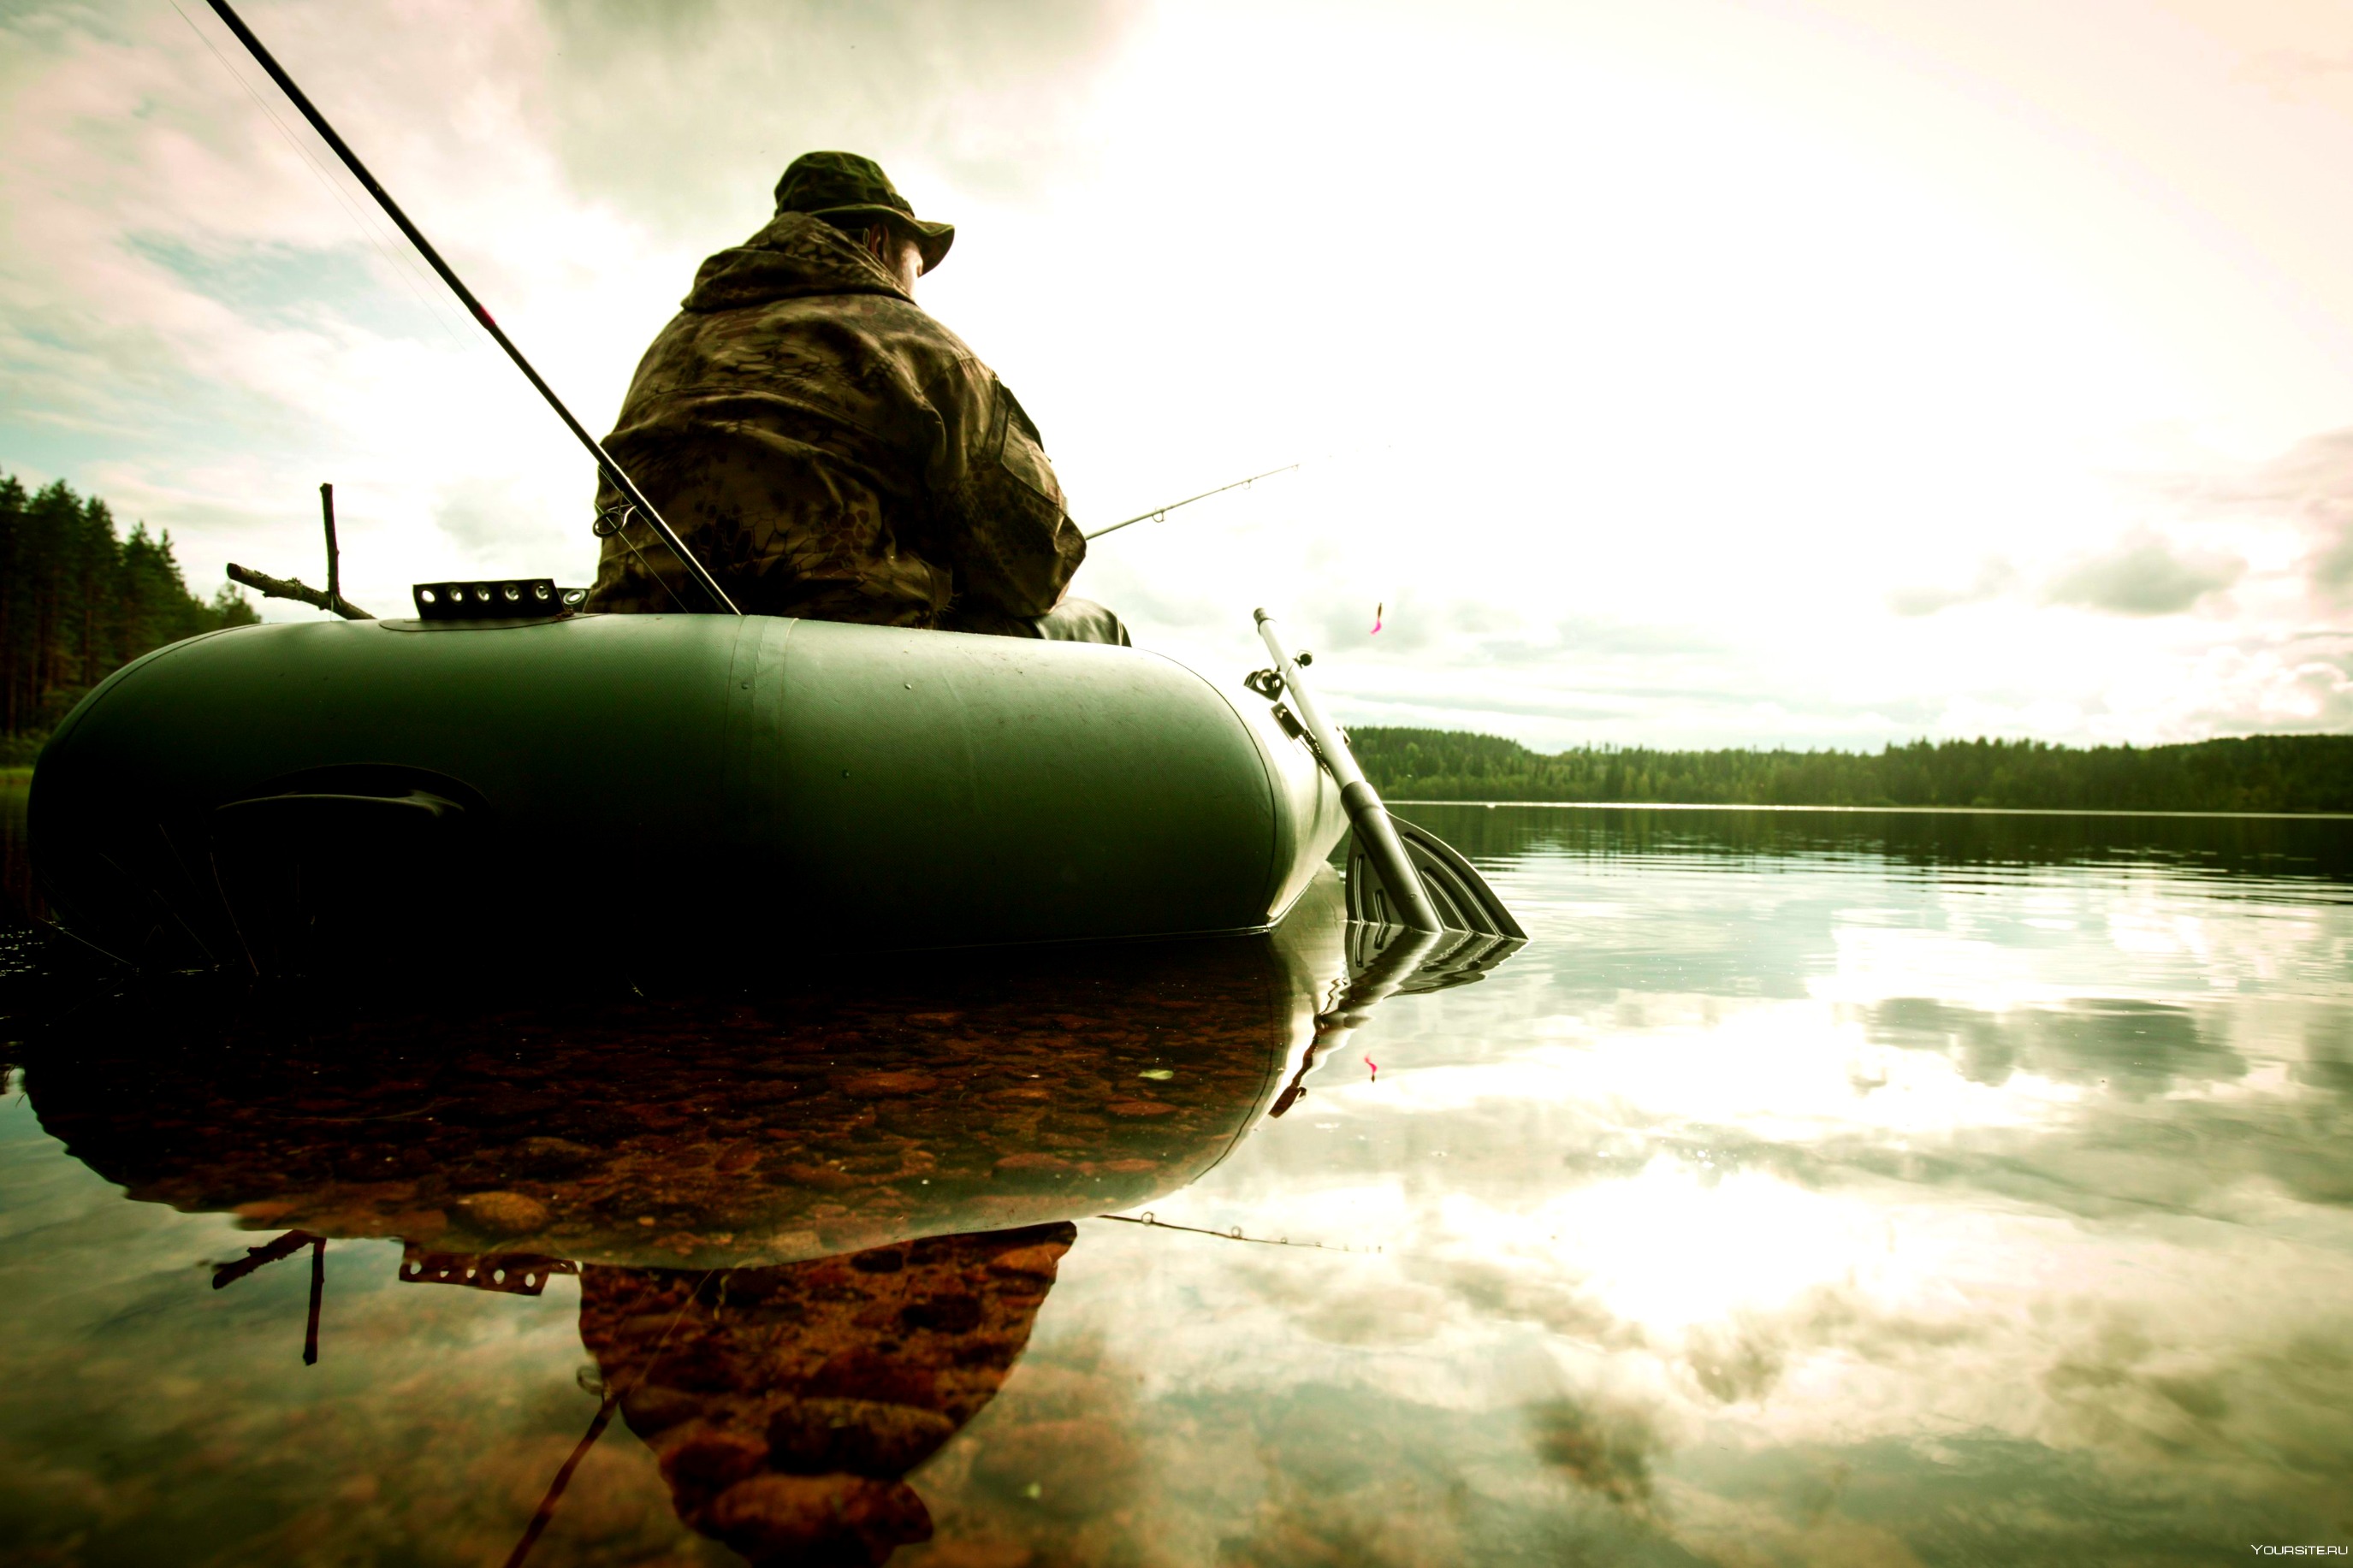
(1367, 814)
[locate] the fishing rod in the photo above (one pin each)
(1156, 513)
(612, 470)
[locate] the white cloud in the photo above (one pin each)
(1994, 577)
(2143, 575)
(1673, 364)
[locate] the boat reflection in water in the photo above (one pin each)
(813, 1228)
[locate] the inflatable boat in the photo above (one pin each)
(279, 795)
(504, 773)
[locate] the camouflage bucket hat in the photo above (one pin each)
(842, 187)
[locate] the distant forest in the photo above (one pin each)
(77, 602)
(2262, 773)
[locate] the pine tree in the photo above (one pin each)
(77, 601)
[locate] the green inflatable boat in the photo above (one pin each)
(504, 773)
(279, 795)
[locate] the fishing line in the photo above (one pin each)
(320, 173)
(544, 1515)
(1160, 513)
(1235, 1234)
(620, 530)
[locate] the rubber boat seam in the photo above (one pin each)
(967, 754)
(741, 716)
(1275, 870)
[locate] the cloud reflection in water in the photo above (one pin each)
(1819, 1191)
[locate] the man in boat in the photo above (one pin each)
(829, 450)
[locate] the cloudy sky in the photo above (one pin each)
(1819, 371)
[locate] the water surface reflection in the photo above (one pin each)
(1822, 1191)
(810, 1225)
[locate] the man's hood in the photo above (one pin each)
(793, 257)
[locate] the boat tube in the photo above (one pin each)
(302, 795)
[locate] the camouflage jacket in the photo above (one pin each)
(829, 450)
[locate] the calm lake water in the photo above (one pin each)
(1813, 1188)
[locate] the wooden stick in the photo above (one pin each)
(334, 554)
(295, 588)
(318, 1296)
(286, 1246)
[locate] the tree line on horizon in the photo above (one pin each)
(2258, 772)
(78, 600)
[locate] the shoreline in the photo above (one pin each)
(1892, 810)
(21, 776)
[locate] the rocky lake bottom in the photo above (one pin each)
(1811, 1188)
